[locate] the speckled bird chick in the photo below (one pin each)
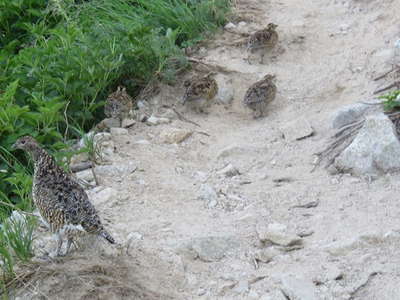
(263, 40)
(200, 90)
(118, 104)
(63, 204)
(260, 94)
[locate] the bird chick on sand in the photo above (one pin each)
(260, 94)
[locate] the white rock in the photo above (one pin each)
(298, 129)
(174, 135)
(230, 25)
(298, 288)
(128, 123)
(229, 171)
(153, 120)
(349, 114)
(109, 123)
(277, 234)
(266, 255)
(118, 131)
(375, 150)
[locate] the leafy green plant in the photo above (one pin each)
(391, 101)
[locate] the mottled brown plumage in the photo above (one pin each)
(200, 90)
(63, 204)
(118, 104)
(260, 94)
(263, 40)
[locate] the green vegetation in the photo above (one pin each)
(391, 101)
(59, 59)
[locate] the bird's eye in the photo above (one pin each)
(23, 142)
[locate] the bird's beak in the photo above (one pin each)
(14, 146)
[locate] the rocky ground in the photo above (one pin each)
(231, 209)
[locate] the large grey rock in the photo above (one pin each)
(349, 114)
(298, 288)
(375, 150)
(212, 249)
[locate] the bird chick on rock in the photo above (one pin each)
(260, 94)
(200, 90)
(262, 40)
(62, 203)
(118, 104)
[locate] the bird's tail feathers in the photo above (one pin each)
(107, 236)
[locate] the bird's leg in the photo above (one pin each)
(69, 243)
(59, 244)
(262, 58)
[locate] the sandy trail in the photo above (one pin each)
(329, 51)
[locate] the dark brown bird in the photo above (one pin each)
(62, 203)
(260, 94)
(118, 104)
(263, 40)
(200, 90)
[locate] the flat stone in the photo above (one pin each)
(277, 234)
(298, 288)
(153, 120)
(174, 135)
(86, 175)
(374, 151)
(266, 255)
(118, 131)
(109, 123)
(126, 123)
(298, 129)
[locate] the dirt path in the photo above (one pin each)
(329, 52)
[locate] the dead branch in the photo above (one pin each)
(180, 116)
(213, 66)
(81, 166)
